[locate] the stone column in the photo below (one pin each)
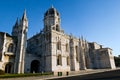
(83, 67)
(3, 48)
(72, 66)
(82, 55)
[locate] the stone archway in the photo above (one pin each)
(35, 64)
(9, 68)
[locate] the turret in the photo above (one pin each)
(21, 44)
(52, 20)
(24, 22)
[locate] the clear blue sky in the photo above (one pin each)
(97, 20)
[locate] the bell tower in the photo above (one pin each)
(51, 20)
(21, 30)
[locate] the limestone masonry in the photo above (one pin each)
(51, 50)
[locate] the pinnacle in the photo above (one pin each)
(16, 22)
(24, 17)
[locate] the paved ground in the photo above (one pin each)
(109, 75)
(101, 74)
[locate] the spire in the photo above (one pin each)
(24, 17)
(52, 6)
(16, 24)
(82, 37)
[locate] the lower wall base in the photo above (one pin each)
(61, 73)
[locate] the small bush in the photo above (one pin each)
(24, 75)
(2, 72)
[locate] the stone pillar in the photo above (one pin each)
(82, 55)
(83, 63)
(3, 48)
(87, 56)
(72, 66)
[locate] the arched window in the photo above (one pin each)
(57, 28)
(59, 60)
(10, 48)
(76, 49)
(59, 45)
(9, 68)
(68, 60)
(67, 47)
(53, 28)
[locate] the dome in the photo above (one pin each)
(51, 11)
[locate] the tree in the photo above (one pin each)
(117, 61)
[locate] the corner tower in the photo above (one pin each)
(20, 31)
(51, 20)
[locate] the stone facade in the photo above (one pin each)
(13, 48)
(101, 57)
(51, 50)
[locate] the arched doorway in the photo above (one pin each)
(35, 66)
(9, 68)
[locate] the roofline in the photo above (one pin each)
(7, 34)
